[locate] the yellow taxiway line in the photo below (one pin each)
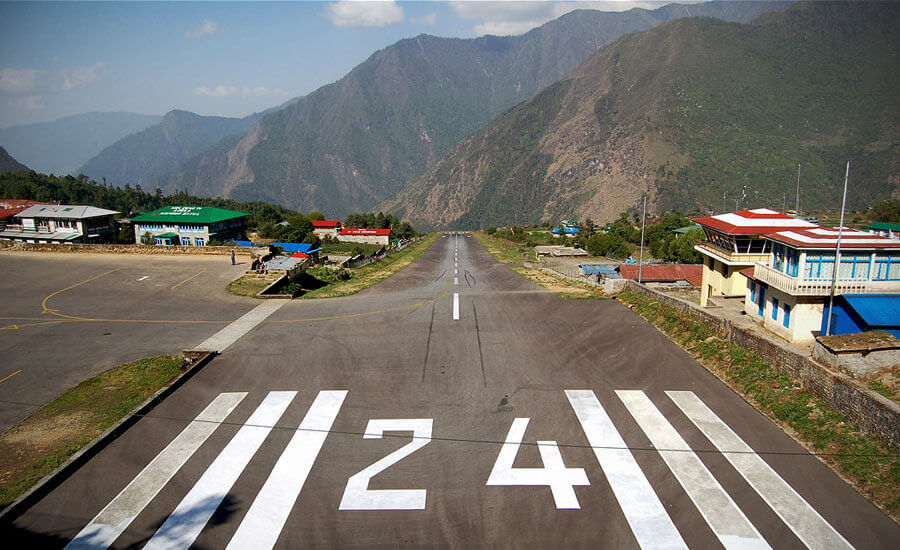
(201, 272)
(10, 376)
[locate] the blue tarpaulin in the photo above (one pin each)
(306, 248)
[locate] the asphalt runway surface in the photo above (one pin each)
(455, 404)
(133, 306)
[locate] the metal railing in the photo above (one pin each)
(801, 286)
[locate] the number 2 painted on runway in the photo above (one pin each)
(358, 496)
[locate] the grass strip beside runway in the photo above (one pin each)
(864, 461)
(48, 437)
(375, 272)
(504, 251)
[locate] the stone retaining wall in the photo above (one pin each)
(875, 413)
(123, 249)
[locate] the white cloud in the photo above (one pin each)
(78, 76)
(18, 81)
(370, 13)
(28, 103)
(206, 28)
(505, 17)
(429, 19)
(244, 91)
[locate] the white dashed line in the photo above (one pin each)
(455, 280)
(456, 306)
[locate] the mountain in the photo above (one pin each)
(350, 144)
(9, 164)
(144, 157)
(61, 146)
(689, 112)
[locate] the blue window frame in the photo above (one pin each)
(752, 291)
(762, 301)
(775, 308)
(786, 318)
(819, 265)
(887, 267)
(185, 241)
(854, 266)
(198, 241)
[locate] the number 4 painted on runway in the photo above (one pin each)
(554, 473)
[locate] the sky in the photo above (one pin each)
(220, 58)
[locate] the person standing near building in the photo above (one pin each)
(232, 257)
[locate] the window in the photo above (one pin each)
(185, 241)
(887, 267)
(752, 291)
(198, 241)
(786, 319)
(819, 265)
(775, 308)
(762, 301)
(854, 266)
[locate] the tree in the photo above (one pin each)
(267, 215)
(315, 215)
(887, 210)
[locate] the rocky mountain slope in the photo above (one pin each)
(355, 142)
(142, 158)
(61, 146)
(688, 112)
(9, 164)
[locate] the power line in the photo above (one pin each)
(482, 441)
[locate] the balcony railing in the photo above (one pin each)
(800, 286)
(746, 258)
(29, 229)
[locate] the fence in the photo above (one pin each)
(353, 264)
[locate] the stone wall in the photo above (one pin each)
(875, 413)
(123, 249)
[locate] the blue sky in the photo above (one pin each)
(218, 58)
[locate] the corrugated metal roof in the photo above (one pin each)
(885, 226)
(760, 221)
(325, 224)
(877, 310)
(189, 214)
(64, 211)
(826, 238)
(664, 273)
(358, 231)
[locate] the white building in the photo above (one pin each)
(788, 292)
(734, 242)
(326, 228)
(367, 236)
(62, 223)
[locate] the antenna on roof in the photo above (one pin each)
(837, 254)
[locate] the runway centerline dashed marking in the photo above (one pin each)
(456, 306)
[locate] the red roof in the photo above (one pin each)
(819, 238)
(748, 272)
(355, 231)
(664, 273)
(325, 224)
(299, 255)
(760, 221)
(11, 207)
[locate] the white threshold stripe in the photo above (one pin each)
(455, 280)
(241, 326)
(725, 519)
(651, 525)
(456, 306)
(184, 524)
(265, 520)
(810, 527)
(106, 527)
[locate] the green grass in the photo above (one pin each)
(866, 461)
(880, 387)
(47, 438)
(375, 272)
(504, 251)
(250, 284)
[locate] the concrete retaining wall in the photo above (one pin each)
(875, 413)
(123, 249)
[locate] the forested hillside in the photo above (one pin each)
(356, 142)
(689, 112)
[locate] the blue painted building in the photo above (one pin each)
(854, 313)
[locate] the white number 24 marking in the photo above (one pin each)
(554, 473)
(358, 496)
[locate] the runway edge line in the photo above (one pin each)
(62, 472)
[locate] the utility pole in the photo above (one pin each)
(837, 254)
(643, 221)
(797, 206)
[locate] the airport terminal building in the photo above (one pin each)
(188, 226)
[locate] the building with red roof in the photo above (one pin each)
(367, 236)
(691, 274)
(735, 241)
(326, 228)
(11, 207)
(789, 291)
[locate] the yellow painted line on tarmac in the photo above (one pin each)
(201, 272)
(70, 287)
(10, 376)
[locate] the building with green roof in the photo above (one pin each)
(189, 225)
(886, 229)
